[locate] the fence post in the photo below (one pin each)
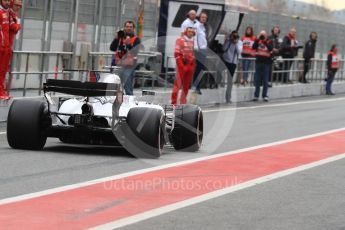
(41, 74)
(166, 74)
(57, 65)
(26, 73)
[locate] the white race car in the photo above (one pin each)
(99, 113)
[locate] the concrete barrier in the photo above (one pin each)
(243, 94)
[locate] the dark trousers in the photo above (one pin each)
(200, 56)
(330, 79)
(261, 76)
(305, 71)
(270, 77)
(231, 68)
(286, 69)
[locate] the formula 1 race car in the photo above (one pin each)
(99, 113)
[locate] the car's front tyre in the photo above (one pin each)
(188, 129)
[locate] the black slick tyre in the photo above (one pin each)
(187, 133)
(26, 125)
(145, 135)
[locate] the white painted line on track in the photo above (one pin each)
(132, 173)
(212, 195)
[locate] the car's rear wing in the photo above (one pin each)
(78, 88)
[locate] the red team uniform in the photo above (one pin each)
(9, 27)
(5, 47)
(185, 66)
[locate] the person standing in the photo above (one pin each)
(308, 54)
(289, 51)
(126, 47)
(263, 47)
(332, 66)
(276, 43)
(200, 47)
(5, 48)
(189, 22)
(232, 49)
(15, 26)
(248, 40)
(185, 65)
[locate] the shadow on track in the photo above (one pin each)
(88, 150)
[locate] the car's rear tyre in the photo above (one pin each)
(26, 124)
(188, 129)
(145, 137)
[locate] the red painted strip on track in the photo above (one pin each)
(98, 204)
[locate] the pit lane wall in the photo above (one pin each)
(246, 94)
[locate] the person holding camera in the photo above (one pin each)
(333, 65)
(263, 47)
(126, 47)
(232, 49)
(289, 51)
(308, 54)
(185, 65)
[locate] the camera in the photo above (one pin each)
(121, 34)
(262, 37)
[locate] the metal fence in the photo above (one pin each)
(290, 71)
(45, 65)
(54, 64)
(148, 65)
(31, 68)
(283, 71)
(47, 23)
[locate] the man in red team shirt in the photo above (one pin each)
(185, 65)
(5, 46)
(9, 27)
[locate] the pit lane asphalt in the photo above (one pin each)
(313, 199)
